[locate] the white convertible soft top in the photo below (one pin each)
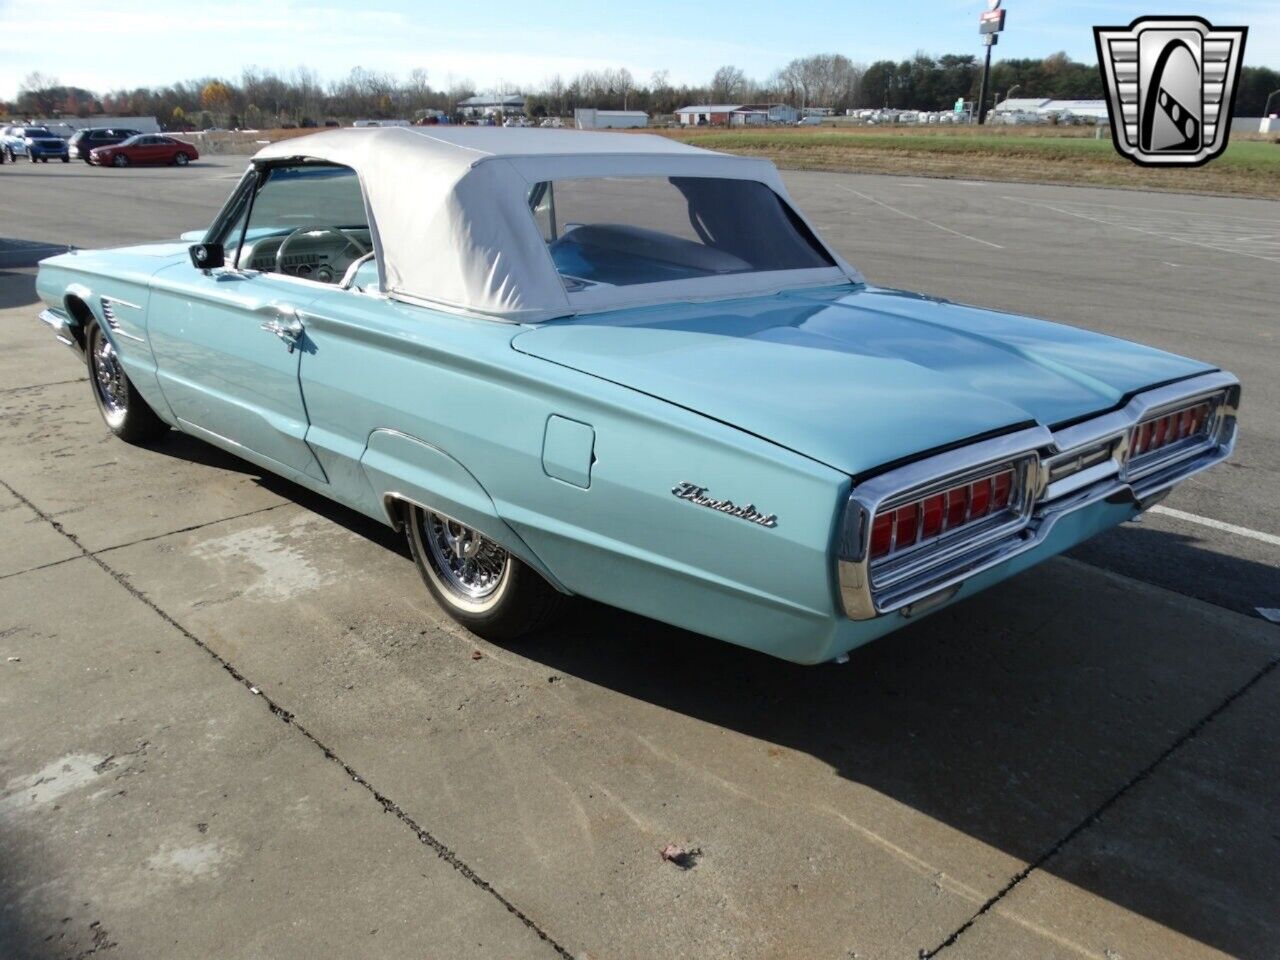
(449, 211)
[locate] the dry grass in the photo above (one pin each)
(1250, 167)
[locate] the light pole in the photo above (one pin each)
(989, 41)
(1008, 94)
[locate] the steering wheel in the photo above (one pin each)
(316, 232)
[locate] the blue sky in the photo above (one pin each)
(513, 42)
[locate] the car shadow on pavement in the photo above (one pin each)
(983, 718)
(1185, 566)
(74, 937)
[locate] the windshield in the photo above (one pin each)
(132, 141)
(36, 132)
(621, 231)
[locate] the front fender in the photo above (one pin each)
(402, 468)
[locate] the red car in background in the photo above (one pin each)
(145, 148)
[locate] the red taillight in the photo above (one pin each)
(1001, 489)
(979, 499)
(881, 535)
(934, 509)
(1160, 432)
(1157, 435)
(932, 516)
(908, 518)
(1143, 435)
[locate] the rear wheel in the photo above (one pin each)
(66, 159)
(122, 407)
(478, 582)
(181, 159)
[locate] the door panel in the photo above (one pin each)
(221, 371)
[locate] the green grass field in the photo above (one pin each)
(1072, 156)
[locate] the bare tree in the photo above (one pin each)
(728, 83)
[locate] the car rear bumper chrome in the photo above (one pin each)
(63, 330)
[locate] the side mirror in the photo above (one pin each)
(207, 256)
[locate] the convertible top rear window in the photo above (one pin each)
(620, 231)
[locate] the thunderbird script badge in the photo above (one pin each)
(698, 495)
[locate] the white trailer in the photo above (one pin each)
(589, 118)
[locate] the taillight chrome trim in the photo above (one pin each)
(925, 553)
(1209, 435)
(862, 581)
(1065, 471)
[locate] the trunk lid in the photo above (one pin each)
(858, 377)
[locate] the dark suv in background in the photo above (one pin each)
(90, 138)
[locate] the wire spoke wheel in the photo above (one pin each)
(470, 564)
(109, 379)
(476, 580)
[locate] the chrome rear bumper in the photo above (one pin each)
(62, 329)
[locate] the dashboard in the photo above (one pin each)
(320, 256)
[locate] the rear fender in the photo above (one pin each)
(402, 469)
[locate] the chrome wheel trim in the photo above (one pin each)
(470, 567)
(109, 380)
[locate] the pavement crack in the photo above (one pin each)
(42, 566)
(1098, 812)
(131, 543)
(40, 386)
(425, 837)
(194, 526)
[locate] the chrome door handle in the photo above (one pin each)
(284, 323)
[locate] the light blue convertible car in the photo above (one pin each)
(619, 367)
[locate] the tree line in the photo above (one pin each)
(261, 98)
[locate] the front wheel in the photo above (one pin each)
(478, 582)
(66, 159)
(120, 160)
(122, 407)
(180, 159)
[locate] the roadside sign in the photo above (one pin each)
(991, 21)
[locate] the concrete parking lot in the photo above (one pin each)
(233, 724)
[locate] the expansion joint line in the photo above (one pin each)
(1187, 736)
(424, 836)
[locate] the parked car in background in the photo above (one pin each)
(35, 143)
(511, 345)
(90, 138)
(145, 148)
